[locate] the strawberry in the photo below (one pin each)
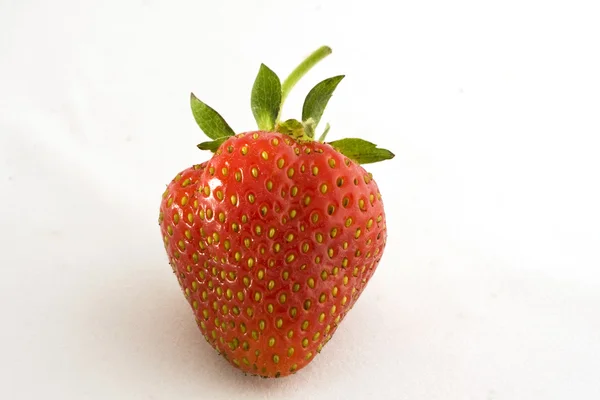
(276, 236)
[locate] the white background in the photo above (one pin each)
(489, 287)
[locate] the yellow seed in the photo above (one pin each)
(279, 323)
(247, 242)
(333, 308)
(322, 298)
(275, 141)
(304, 342)
(319, 237)
(290, 172)
(324, 188)
(181, 245)
(357, 233)
(258, 230)
(264, 155)
(307, 304)
(293, 312)
(254, 335)
(316, 336)
(305, 248)
(254, 172)
(348, 222)
(331, 163)
(280, 163)
(186, 182)
(290, 334)
(334, 291)
(276, 359)
(271, 232)
(261, 274)
(307, 200)
(235, 310)
(293, 214)
(261, 324)
(201, 214)
(195, 304)
(240, 296)
(315, 218)
(324, 275)
(322, 317)
(270, 308)
(315, 170)
(290, 352)
(184, 200)
(285, 275)
(219, 194)
(170, 230)
(344, 300)
(176, 219)
(251, 198)
(269, 185)
(250, 311)
(224, 171)
(271, 285)
(330, 252)
(296, 287)
(244, 150)
(282, 298)
(238, 256)
(311, 283)
(290, 258)
(272, 342)
(361, 204)
(238, 176)
(250, 262)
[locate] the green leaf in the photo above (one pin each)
(266, 98)
(318, 97)
(361, 151)
(325, 132)
(212, 145)
(211, 123)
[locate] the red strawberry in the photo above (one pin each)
(276, 236)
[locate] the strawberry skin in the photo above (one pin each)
(272, 242)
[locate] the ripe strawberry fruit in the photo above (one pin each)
(276, 236)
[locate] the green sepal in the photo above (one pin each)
(325, 132)
(210, 121)
(212, 145)
(291, 127)
(318, 97)
(361, 151)
(266, 98)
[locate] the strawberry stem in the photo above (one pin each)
(300, 71)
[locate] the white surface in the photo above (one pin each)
(489, 288)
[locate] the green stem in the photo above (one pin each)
(300, 71)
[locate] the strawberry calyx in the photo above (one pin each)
(267, 99)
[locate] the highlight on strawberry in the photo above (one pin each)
(275, 237)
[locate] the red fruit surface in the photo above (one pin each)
(272, 242)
